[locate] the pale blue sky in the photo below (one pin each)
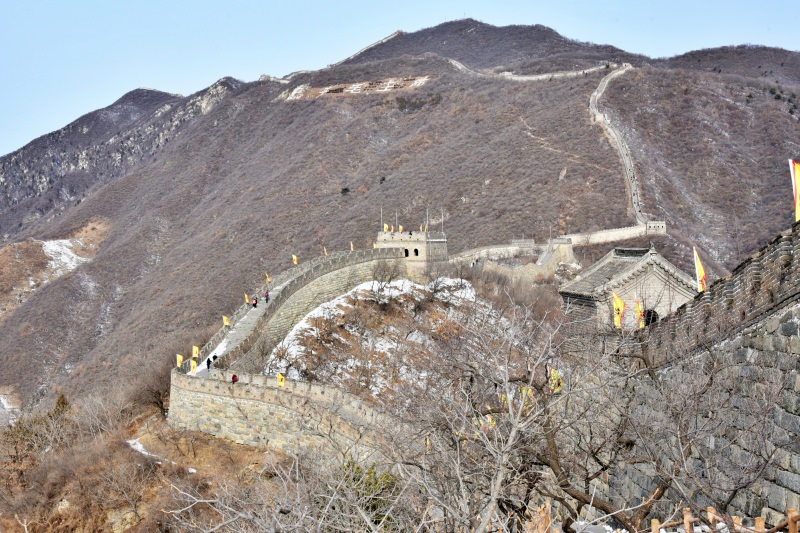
(61, 59)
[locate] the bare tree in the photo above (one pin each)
(301, 494)
(125, 485)
(499, 440)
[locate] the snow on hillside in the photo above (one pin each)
(371, 338)
(62, 257)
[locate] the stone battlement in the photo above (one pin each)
(762, 285)
(256, 411)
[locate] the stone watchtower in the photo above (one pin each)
(417, 246)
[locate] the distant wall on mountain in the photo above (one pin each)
(617, 234)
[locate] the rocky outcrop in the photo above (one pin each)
(56, 170)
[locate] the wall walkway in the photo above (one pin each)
(293, 294)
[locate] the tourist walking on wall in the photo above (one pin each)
(255, 302)
(266, 297)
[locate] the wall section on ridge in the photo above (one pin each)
(759, 287)
(315, 287)
(297, 417)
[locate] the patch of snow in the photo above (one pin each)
(288, 357)
(62, 258)
(139, 447)
(136, 445)
(8, 411)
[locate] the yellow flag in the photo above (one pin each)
(194, 367)
(700, 272)
(294, 259)
(281, 380)
(392, 228)
(385, 228)
(180, 359)
(226, 321)
(794, 168)
(351, 246)
(639, 313)
(426, 228)
(195, 352)
(374, 244)
(400, 228)
(246, 298)
(619, 310)
(269, 279)
(325, 251)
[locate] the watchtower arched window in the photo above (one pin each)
(416, 252)
(406, 251)
(650, 317)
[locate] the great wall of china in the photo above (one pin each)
(753, 314)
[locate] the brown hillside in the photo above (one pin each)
(712, 152)
(204, 194)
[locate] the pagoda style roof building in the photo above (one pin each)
(631, 274)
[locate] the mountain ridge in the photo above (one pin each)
(207, 192)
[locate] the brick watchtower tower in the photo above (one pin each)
(418, 246)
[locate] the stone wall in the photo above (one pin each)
(761, 364)
(297, 417)
(305, 293)
(617, 234)
(766, 282)
(503, 251)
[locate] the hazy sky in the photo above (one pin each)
(61, 59)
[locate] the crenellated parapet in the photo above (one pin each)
(762, 285)
(298, 416)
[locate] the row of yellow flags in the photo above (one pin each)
(619, 303)
(387, 228)
(195, 355)
(295, 260)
